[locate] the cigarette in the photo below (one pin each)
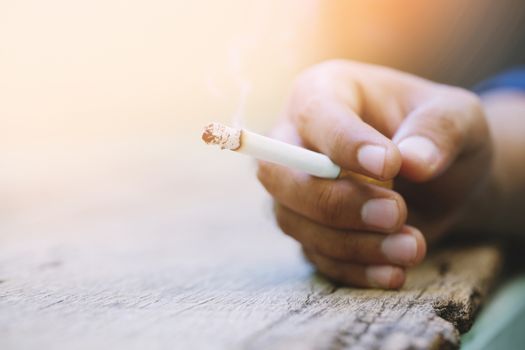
(274, 151)
(270, 150)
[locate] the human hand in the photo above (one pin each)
(380, 123)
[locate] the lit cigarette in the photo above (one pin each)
(274, 151)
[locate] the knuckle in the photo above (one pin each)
(339, 143)
(323, 69)
(331, 204)
(475, 125)
(304, 86)
(450, 124)
(443, 122)
(470, 101)
(313, 85)
(474, 113)
(352, 246)
(467, 98)
(332, 67)
(330, 269)
(308, 107)
(468, 108)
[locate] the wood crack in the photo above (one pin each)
(310, 299)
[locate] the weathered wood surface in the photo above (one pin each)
(142, 247)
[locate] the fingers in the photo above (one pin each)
(324, 115)
(434, 134)
(379, 276)
(343, 203)
(405, 248)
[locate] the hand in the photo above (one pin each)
(380, 123)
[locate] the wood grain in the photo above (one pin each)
(133, 247)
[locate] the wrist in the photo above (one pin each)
(495, 208)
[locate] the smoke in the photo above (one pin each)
(243, 84)
(267, 43)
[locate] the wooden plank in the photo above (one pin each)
(134, 249)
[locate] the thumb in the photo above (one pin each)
(434, 134)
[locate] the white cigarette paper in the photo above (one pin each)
(270, 150)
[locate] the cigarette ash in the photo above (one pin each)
(222, 136)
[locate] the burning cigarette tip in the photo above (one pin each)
(222, 136)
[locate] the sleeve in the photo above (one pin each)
(512, 79)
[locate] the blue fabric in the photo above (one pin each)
(511, 79)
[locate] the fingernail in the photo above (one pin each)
(372, 158)
(381, 213)
(379, 276)
(420, 148)
(400, 248)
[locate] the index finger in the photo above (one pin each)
(327, 123)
